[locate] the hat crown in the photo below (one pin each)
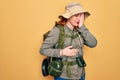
(71, 5)
(72, 9)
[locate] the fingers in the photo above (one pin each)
(70, 47)
(70, 51)
(75, 51)
(81, 20)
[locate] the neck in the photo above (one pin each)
(70, 26)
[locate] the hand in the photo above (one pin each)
(68, 51)
(82, 18)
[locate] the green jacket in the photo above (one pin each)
(52, 40)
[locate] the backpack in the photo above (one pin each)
(52, 65)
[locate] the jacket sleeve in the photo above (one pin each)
(47, 47)
(88, 38)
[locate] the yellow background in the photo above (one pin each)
(23, 22)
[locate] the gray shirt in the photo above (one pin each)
(85, 38)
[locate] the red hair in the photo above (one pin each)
(62, 21)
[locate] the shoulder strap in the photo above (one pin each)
(61, 37)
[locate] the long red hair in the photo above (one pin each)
(62, 21)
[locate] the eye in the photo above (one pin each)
(76, 15)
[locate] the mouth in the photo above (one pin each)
(77, 22)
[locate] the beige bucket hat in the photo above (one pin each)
(72, 9)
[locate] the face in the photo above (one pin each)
(75, 19)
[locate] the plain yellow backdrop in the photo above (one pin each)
(23, 23)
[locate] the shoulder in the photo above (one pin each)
(54, 32)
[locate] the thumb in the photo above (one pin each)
(69, 47)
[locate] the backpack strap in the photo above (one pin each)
(61, 37)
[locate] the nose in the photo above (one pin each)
(78, 17)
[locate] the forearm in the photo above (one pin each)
(50, 52)
(88, 38)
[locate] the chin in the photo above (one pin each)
(76, 25)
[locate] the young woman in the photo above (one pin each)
(73, 23)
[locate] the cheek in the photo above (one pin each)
(73, 20)
(74, 23)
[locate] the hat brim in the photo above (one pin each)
(68, 15)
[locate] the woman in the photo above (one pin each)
(73, 22)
